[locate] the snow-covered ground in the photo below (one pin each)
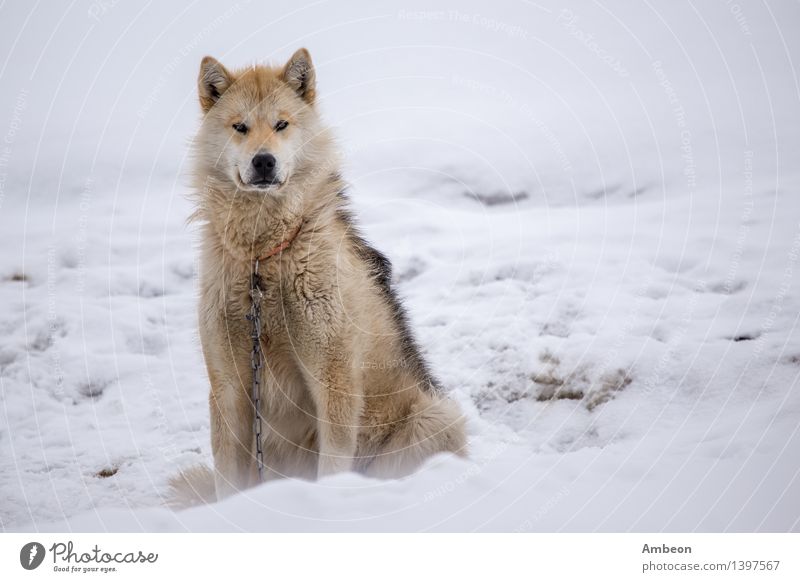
(593, 214)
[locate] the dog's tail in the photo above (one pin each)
(192, 486)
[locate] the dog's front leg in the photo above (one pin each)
(338, 400)
(231, 438)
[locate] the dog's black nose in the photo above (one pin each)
(264, 165)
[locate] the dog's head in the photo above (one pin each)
(258, 123)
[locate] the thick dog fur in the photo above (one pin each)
(344, 385)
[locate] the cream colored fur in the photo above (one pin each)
(344, 387)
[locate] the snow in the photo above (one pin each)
(593, 216)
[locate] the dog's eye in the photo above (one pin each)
(240, 127)
(281, 125)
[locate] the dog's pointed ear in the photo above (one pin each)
(299, 75)
(213, 80)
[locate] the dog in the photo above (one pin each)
(343, 385)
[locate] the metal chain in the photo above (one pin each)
(256, 361)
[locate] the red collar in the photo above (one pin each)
(283, 246)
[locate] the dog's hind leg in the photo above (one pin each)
(433, 425)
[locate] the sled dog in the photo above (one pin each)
(343, 385)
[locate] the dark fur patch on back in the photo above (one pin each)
(380, 269)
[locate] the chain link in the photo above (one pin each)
(256, 361)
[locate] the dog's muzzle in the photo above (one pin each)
(262, 173)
